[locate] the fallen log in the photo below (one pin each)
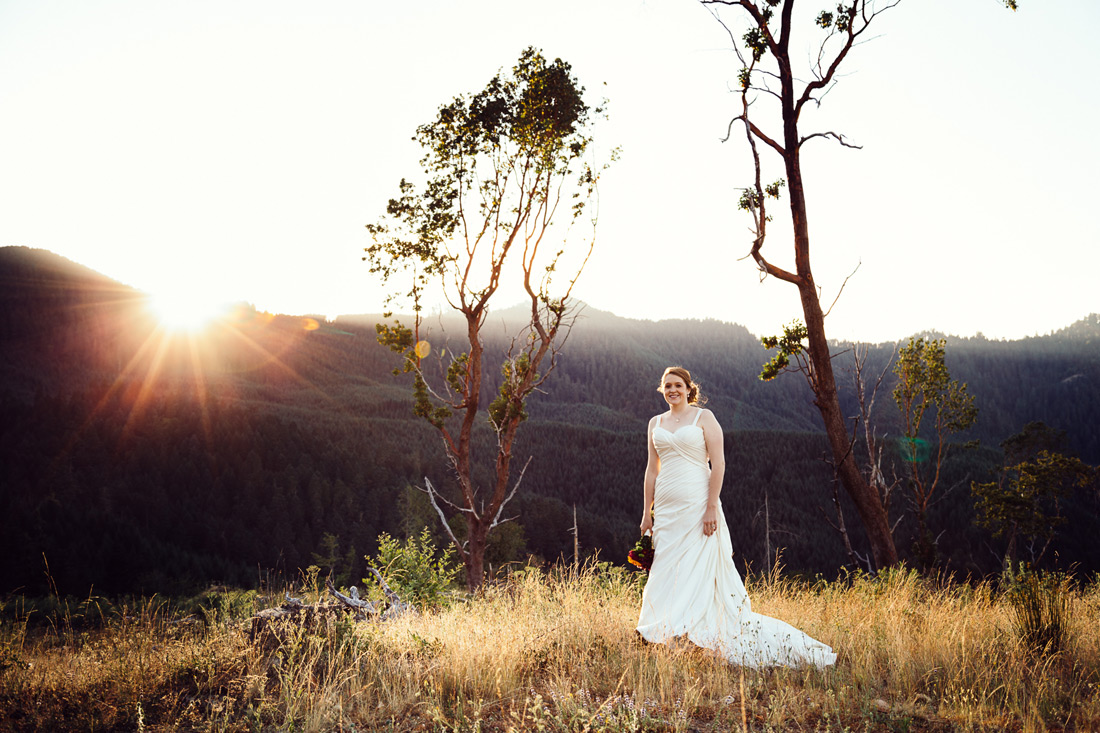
(270, 626)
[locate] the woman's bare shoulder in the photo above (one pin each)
(707, 416)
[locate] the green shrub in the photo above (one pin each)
(220, 604)
(415, 569)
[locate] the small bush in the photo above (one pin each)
(1040, 610)
(415, 569)
(224, 604)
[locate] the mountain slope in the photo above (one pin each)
(136, 458)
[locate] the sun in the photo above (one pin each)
(178, 310)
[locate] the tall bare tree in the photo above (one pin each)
(502, 166)
(768, 74)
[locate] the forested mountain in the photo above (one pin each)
(134, 459)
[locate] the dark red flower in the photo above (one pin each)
(642, 554)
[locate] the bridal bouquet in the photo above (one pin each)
(642, 554)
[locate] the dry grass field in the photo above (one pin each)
(557, 652)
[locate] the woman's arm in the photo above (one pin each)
(652, 468)
(712, 433)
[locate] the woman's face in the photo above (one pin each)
(675, 390)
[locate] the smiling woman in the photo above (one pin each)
(185, 310)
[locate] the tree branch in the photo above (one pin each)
(839, 292)
(432, 494)
(755, 131)
(836, 136)
(770, 269)
(515, 487)
(853, 33)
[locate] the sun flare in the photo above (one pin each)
(185, 311)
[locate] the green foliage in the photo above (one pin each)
(423, 406)
(509, 403)
(415, 569)
(756, 40)
(924, 383)
(840, 21)
(790, 345)
(1028, 500)
(457, 373)
(1027, 497)
(491, 159)
(399, 339)
(225, 604)
(744, 80)
(772, 189)
(750, 198)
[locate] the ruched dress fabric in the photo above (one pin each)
(694, 589)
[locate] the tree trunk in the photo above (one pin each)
(477, 532)
(926, 544)
(865, 497)
(868, 504)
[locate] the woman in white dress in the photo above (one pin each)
(694, 589)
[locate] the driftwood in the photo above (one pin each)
(396, 607)
(271, 626)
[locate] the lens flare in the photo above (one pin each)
(915, 450)
(185, 311)
(422, 349)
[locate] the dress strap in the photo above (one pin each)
(698, 412)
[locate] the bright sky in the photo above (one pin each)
(236, 150)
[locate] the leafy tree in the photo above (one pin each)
(1026, 499)
(925, 389)
(1036, 437)
(768, 73)
(502, 166)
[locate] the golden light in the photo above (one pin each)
(186, 311)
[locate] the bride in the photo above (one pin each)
(694, 589)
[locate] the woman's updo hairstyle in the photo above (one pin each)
(695, 397)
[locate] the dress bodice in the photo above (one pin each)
(686, 444)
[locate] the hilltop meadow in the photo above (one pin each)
(556, 651)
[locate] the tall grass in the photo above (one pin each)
(557, 651)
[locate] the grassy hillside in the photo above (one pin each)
(558, 652)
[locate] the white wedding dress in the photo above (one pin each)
(694, 589)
